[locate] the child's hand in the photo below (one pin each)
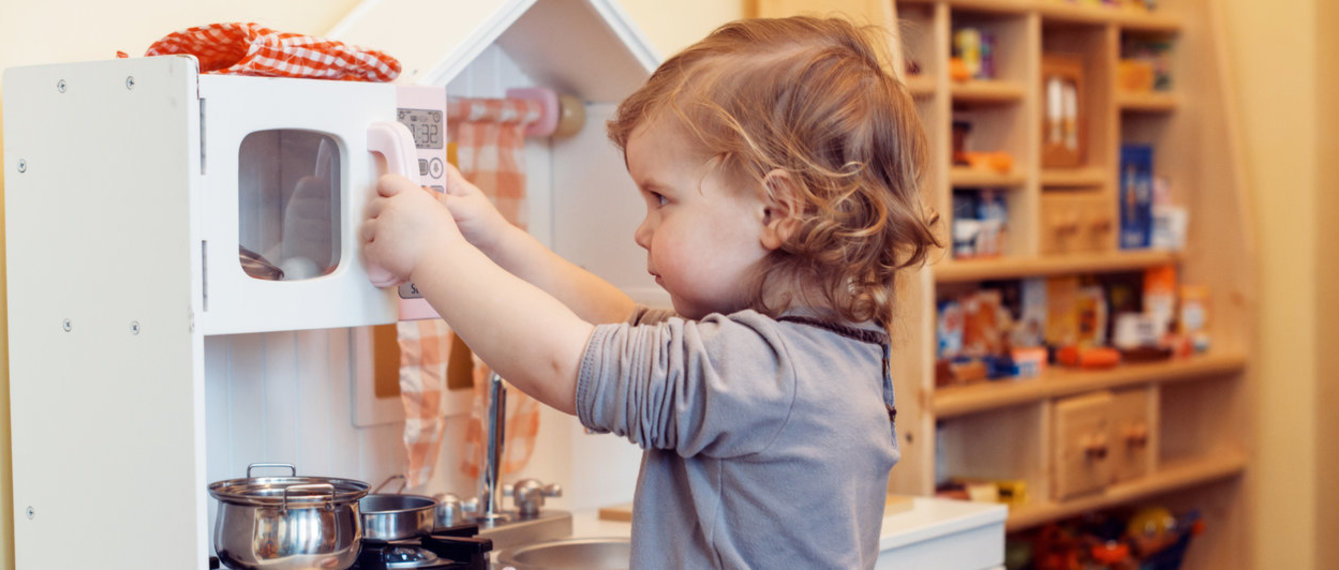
(475, 215)
(403, 225)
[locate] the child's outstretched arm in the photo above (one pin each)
(591, 297)
(527, 336)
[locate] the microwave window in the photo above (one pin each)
(426, 124)
(289, 205)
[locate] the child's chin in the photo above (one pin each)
(685, 310)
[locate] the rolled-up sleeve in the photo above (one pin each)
(720, 386)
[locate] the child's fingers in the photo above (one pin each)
(456, 185)
(374, 208)
(391, 184)
(368, 231)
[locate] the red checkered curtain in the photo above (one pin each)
(251, 49)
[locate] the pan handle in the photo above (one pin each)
(404, 482)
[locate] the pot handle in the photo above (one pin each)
(293, 471)
(329, 488)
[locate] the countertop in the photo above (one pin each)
(926, 520)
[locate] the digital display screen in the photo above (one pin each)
(426, 124)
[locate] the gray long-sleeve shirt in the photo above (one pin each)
(768, 441)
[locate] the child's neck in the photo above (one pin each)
(807, 300)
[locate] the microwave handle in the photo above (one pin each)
(393, 141)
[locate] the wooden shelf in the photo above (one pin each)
(962, 177)
(1167, 478)
(1129, 19)
(1153, 102)
(920, 86)
(1065, 12)
(1152, 22)
(987, 91)
(1073, 177)
(1010, 267)
(1059, 382)
(991, 6)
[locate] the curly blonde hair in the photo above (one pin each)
(811, 98)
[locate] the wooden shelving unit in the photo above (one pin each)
(984, 92)
(1060, 382)
(1016, 267)
(1197, 410)
(962, 177)
(1156, 102)
(1073, 177)
(1169, 478)
(921, 86)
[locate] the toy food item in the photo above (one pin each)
(1194, 321)
(1135, 75)
(1151, 529)
(1001, 162)
(957, 69)
(1088, 357)
(1160, 287)
(967, 46)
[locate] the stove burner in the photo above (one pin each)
(402, 556)
(447, 548)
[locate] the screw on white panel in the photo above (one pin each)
(31, 513)
(60, 86)
(67, 325)
(134, 327)
(130, 82)
(23, 166)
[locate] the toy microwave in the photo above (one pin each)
(260, 181)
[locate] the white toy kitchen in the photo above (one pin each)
(174, 318)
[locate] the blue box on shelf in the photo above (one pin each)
(1136, 196)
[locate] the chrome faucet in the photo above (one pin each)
(490, 500)
(529, 524)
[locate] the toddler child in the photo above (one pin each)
(779, 162)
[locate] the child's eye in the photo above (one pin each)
(658, 198)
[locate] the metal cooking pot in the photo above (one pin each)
(394, 516)
(283, 523)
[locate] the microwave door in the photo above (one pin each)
(287, 173)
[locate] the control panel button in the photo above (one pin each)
(409, 291)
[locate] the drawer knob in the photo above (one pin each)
(1096, 447)
(1137, 436)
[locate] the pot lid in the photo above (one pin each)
(271, 491)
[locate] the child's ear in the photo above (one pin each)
(782, 207)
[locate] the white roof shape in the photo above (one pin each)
(587, 48)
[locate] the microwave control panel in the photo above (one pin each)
(422, 109)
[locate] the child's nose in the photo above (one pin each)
(643, 234)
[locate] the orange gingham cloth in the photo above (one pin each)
(490, 148)
(490, 145)
(489, 138)
(425, 351)
(252, 49)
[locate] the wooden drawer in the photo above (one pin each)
(1082, 444)
(1077, 222)
(1131, 434)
